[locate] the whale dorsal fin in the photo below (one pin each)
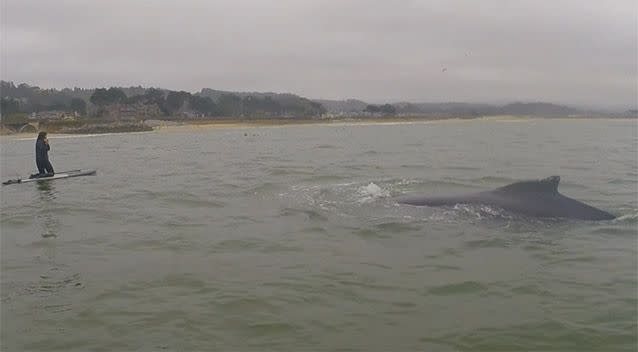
(546, 185)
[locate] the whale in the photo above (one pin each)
(534, 198)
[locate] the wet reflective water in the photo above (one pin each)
(288, 238)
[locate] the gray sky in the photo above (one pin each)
(576, 52)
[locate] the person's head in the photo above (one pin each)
(42, 135)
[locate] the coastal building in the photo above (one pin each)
(53, 115)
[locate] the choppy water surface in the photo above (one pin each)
(288, 238)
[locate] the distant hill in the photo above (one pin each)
(342, 106)
(539, 109)
(286, 104)
(457, 109)
(460, 109)
(25, 98)
(216, 94)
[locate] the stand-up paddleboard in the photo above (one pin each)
(57, 176)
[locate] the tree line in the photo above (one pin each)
(27, 99)
(96, 102)
(385, 109)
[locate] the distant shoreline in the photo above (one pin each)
(159, 126)
(242, 123)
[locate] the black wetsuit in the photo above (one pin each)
(42, 157)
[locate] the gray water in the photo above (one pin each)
(288, 239)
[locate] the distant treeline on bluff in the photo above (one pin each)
(141, 103)
(153, 102)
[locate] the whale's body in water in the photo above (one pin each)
(532, 198)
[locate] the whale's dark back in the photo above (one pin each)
(533, 198)
(545, 186)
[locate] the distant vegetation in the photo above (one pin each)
(385, 109)
(475, 110)
(139, 103)
(343, 106)
(256, 104)
(27, 99)
(155, 102)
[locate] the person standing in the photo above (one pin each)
(42, 155)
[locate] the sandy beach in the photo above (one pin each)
(168, 126)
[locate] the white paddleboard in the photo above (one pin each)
(57, 176)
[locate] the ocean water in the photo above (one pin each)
(289, 239)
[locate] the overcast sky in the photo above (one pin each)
(577, 52)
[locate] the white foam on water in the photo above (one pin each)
(627, 217)
(371, 192)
